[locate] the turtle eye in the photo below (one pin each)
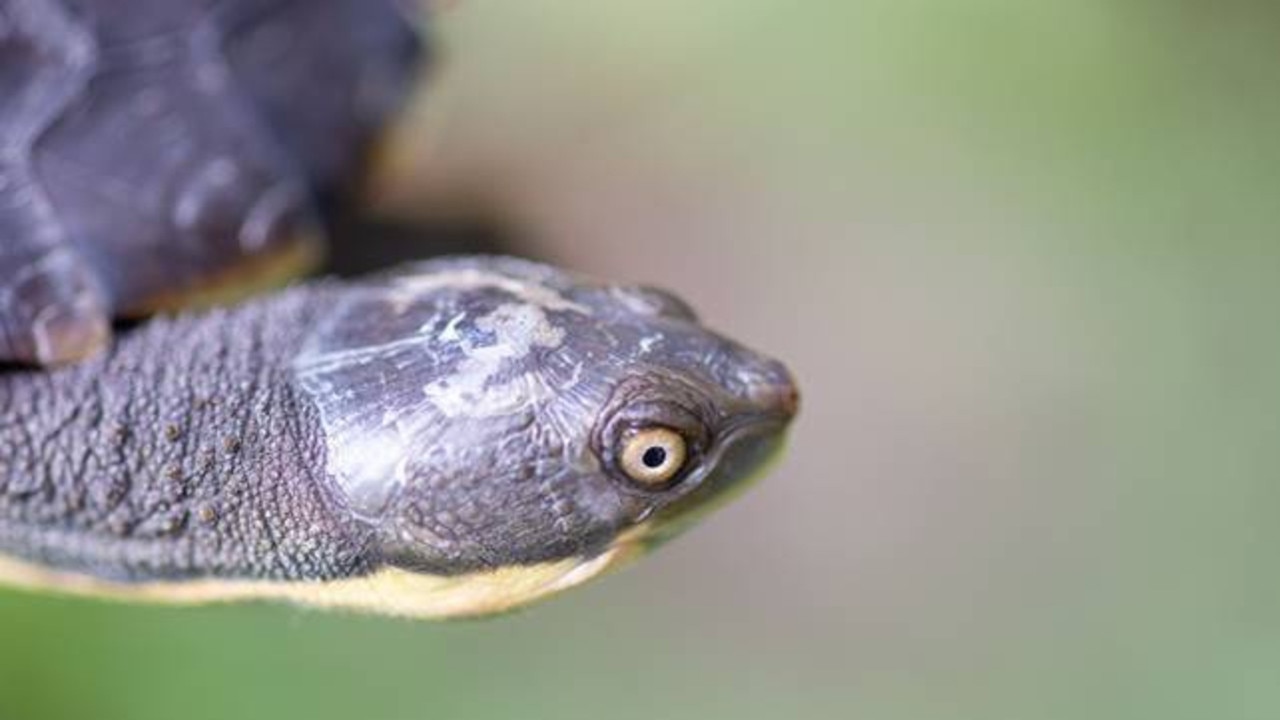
(653, 457)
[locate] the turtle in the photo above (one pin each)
(152, 151)
(451, 437)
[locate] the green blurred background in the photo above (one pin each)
(1023, 256)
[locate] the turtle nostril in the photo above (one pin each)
(783, 400)
(776, 392)
(790, 401)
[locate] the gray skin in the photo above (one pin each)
(447, 417)
(149, 148)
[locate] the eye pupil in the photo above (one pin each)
(655, 457)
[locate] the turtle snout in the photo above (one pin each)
(773, 389)
(760, 386)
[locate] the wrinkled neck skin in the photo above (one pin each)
(185, 452)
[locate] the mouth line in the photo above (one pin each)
(717, 486)
(742, 429)
(760, 422)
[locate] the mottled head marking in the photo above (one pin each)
(489, 412)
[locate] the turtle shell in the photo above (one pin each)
(154, 152)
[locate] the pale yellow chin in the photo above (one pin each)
(389, 591)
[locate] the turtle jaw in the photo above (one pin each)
(669, 523)
(751, 442)
(389, 591)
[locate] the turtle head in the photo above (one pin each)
(492, 415)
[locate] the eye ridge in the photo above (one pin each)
(641, 406)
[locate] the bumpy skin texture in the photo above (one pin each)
(449, 417)
(183, 453)
(149, 147)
